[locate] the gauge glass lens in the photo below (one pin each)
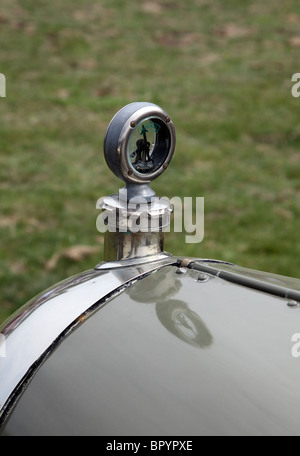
(142, 144)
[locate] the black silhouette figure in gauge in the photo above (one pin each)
(143, 161)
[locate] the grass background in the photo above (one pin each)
(222, 70)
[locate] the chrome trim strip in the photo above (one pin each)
(133, 261)
(274, 284)
(31, 333)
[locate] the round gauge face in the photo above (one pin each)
(139, 142)
(148, 145)
(142, 145)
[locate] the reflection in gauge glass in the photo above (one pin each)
(148, 145)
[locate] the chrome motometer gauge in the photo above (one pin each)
(138, 146)
(139, 143)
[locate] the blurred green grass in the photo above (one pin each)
(223, 72)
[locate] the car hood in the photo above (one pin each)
(174, 349)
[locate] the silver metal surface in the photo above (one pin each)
(134, 262)
(124, 246)
(286, 287)
(171, 356)
(133, 229)
(36, 329)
